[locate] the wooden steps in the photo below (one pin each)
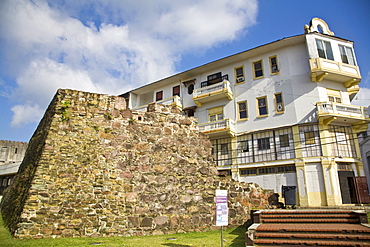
(309, 228)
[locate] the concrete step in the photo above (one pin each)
(314, 228)
(310, 228)
(310, 236)
(288, 242)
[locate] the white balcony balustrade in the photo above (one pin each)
(218, 128)
(329, 112)
(172, 101)
(213, 92)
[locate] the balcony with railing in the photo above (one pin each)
(171, 101)
(218, 128)
(329, 112)
(210, 91)
(347, 74)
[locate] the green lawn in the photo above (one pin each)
(234, 237)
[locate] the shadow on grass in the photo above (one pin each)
(176, 245)
(240, 231)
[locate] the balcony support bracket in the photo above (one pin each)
(327, 121)
(321, 76)
(360, 126)
(351, 83)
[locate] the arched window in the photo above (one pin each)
(190, 88)
(319, 29)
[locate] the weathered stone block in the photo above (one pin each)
(146, 222)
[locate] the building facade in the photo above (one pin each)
(11, 156)
(278, 115)
(364, 141)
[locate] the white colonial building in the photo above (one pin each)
(279, 114)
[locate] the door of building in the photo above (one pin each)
(348, 187)
(362, 189)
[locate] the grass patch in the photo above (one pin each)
(234, 237)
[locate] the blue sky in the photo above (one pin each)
(116, 45)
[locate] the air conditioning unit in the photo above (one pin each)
(240, 79)
(279, 107)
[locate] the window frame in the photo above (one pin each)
(308, 139)
(255, 77)
(241, 77)
(191, 89)
(224, 148)
(324, 44)
(243, 146)
(277, 103)
(218, 111)
(176, 88)
(263, 143)
(276, 70)
(265, 106)
(334, 96)
(157, 94)
(284, 141)
(240, 111)
(348, 58)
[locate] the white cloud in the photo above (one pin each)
(106, 46)
(24, 114)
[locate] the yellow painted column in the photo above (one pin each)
(325, 139)
(302, 196)
(301, 183)
(235, 174)
(359, 164)
(331, 180)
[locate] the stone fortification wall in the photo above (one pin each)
(94, 168)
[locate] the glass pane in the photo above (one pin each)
(242, 106)
(279, 99)
(239, 72)
(320, 49)
(263, 110)
(329, 52)
(350, 56)
(257, 65)
(262, 102)
(258, 73)
(242, 114)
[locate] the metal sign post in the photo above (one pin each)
(222, 211)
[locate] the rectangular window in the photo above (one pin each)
(242, 110)
(243, 147)
(224, 148)
(324, 49)
(216, 114)
(284, 140)
(239, 74)
(262, 106)
(283, 169)
(258, 69)
(334, 95)
(346, 54)
(273, 65)
(279, 103)
(159, 96)
(248, 172)
(176, 91)
(309, 137)
(263, 143)
(214, 78)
